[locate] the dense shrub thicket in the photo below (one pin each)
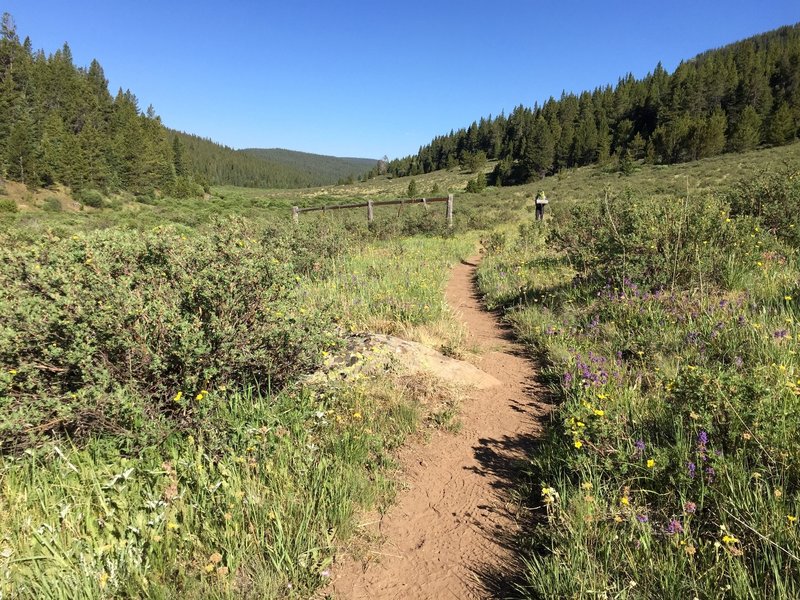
(125, 332)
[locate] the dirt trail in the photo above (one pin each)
(451, 533)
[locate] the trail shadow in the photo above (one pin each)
(505, 460)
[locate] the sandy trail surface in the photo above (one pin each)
(451, 532)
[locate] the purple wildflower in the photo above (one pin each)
(639, 444)
(692, 469)
(702, 438)
(780, 334)
(737, 360)
(710, 474)
(567, 378)
(674, 527)
(642, 518)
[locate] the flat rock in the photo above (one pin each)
(372, 353)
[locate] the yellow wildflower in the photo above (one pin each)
(651, 463)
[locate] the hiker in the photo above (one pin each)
(541, 200)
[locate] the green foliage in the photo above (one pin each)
(772, 197)
(474, 162)
(7, 205)
(185, 187)
(664, 242)
(411, 192)
(715, 102)
(672, 461)
(52, 204)
(477, 185)
(119, 332)
(93, 198)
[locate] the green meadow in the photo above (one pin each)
(159, 438)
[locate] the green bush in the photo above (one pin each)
(52, 204)
(664, 243)
(185, 187)
(93, 198)
(7, 205)
(120, 331)
(773, 198)
(477, 185)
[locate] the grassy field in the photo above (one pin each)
(158, 440)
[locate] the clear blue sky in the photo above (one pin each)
(355, 78)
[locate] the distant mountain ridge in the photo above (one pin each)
(261, 167)
(320, 168)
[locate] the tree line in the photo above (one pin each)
(726, 100)
(59, 124)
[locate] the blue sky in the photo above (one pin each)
(354, 78)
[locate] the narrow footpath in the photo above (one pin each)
(451, 532)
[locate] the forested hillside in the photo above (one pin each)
(60, 124)
(316, 167)
(725, 100)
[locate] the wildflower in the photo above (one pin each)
(639, 444)
(178, 397)
(674, 527)
(587, 485)
(215, 558)
(651, 463)
(787, 298)
(791, 519)
(702, 438)
(692, 468)
(103, 580)
(690, 508)
(172, 526)
(599, 412)
(729, 539)
(642, 518)
(778, 493)
(208, 568)
(625, 501)
(578, 444)
(222, 571)
(710, 474)
(356, 415)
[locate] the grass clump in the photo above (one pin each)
(671, 468)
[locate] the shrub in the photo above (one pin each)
(52, 204)
(7, 205)
(120, 331)
(664, 243)
(774, 198)
(477, 185)
(185, 187)
(92, 198)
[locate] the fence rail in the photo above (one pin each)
(296, 210)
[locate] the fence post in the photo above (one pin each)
(450, 210)
(296, 214)
(425, 204)
(370, 214)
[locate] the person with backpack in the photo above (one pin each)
(541, 201)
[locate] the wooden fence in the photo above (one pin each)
(370, 204)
